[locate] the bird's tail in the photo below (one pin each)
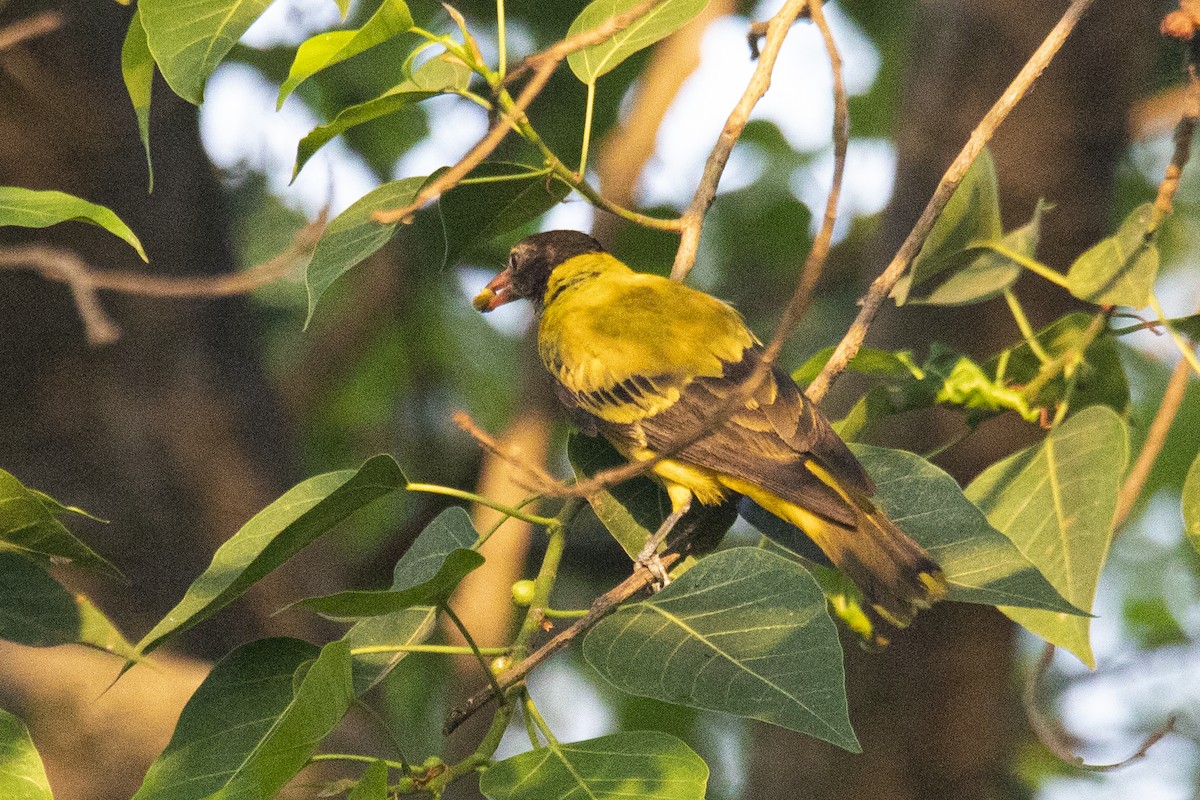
(895, 574)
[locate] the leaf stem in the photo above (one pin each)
(479, 656)
(563, 613)
(501, 40)
(538, 719)
(1185, 349)
(587, 129)
(1031, 264)
(355, 757)
(450, 491)
(1060, 364)
(443, 649)
(544, 582)
(1014, 305)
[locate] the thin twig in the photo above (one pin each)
(882, 286)
(30, 28)
(535, 479)
(693, 219)
(542, 66)
(1050, 736)
(65, 266)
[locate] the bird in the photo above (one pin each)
(648, 362)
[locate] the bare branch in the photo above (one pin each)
(1055, 740)
(65, 266)
(30, 28)
(882, 286)
(693, 219)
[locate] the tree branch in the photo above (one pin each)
(693, 219)
(30, 28)
(65, 266)
(882, 286)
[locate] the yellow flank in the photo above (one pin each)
(813, 526)
(627, 344)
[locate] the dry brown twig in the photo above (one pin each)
(30, 28)
(65, 266)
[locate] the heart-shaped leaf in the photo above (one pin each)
(1119, 270)
(657, 23)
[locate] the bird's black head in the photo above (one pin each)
(529, 266)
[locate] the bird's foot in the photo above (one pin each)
(648, 557)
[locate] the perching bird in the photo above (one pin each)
(645, 361)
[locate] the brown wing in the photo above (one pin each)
(766, 443)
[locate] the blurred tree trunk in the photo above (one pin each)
(938, 713)
(173, 433)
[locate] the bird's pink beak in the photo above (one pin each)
(495, 294)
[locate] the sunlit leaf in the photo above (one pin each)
(1055, 501)
(449, 531)
(1119, 270)
(502, 197)
(326, 49)
(745, 632)
(137, 68)
(867, 361)
(22, 776)
(988, 273)
(352, 236)
(970, 220)
(644, 764)
(1191, 504)
(434, 77)
(27, 208)
(274, 535)
(435, 591)
(28, 524)
(659, 22)
(245, 732)
(189, 42)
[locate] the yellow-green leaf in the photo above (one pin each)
(137, 68)
(326, 49)
(659, 22)
(1119, 270)
(27, 208)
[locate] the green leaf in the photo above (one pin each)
(970, 220)
(35, 610)
(326, 49)
(449, 531)
(1119, 270)
(352, 236)
(189, 43)
(1191, 504)
(28, 525)
(22, 776)
(26, 208)
(1055, 501)
(659, 22)
(969, 386)
(436, 76)
(632, 510)
(633, 764)
(1151, 623)
(274, 535)
(435, 591)
(988, 273)
(980, 563)
(867, 361)
(373, 783)
(745, 632)
(502, 198)
(137, 68)
(1101, 376)
(245, 732)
